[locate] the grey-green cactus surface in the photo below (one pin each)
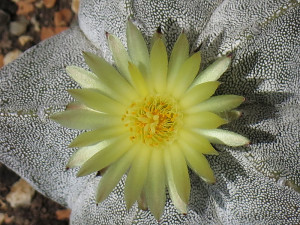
(258, 184)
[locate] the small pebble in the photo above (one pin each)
(24, 39)
(17, 28)
(20, 194)
(46, 32)
(2, 217)
(35, 23)
(75, 6)
(1, 60)
(24, 7)
(62, 17)
(49, 3)
(11, 56)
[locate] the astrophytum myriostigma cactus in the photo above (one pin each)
(254, 184)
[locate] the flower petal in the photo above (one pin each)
(179, 54)
(137, 176)
(83, 119)
(110, 77)
(113, 174)
(159, 65)
(214, 71)
(84, 78)
(95, 136)
(120, 55)
(199, 164)
(85, 153)
(105, 157)
(230, 115)
(185, 76)
(225, 137)
(138, 80)
(196, 142)
(177, 177)
(97, 101)
(219, 103)
(156, 184)
(137, 48)
(203, 120)
(198, 94)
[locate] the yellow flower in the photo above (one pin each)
(150, 118)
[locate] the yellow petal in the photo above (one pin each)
(113, 174)
(120, 55)
(179, 54)
(214, 71)
(199, 164)
(198, 94)
(83, 77)
(230, 115)
(159, 65)
(216, 104)
(196, 142)
(185, 76)
(155, 186)
(137, 176)
(177, 177)
(110, 77)
(138, 80)
(106, 156)
(157, 35)
(84, 119)
(137, 48)
(225, 137)
(97, 101)
(203, 120)
(95, 136)
(85, 153)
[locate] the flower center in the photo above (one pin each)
(154, 120)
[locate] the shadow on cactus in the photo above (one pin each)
(151, 118)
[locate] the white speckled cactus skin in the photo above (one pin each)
(259, 184)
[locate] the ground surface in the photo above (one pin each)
(24, 23)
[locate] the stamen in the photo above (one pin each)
(154, 120)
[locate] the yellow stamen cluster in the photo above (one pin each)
(154, 120)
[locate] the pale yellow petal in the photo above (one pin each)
(105, 157)
(196, 142)
(97, 101)
(137, 176)
(95, 136)
(217, 104)
(137, 48)
(114, 173)
(84, 119)
(84, 78)
(198, 94)
(156, 184)
(203, 120)
(230, 115)
(159, 66)
(214, 71)
(179, 54)
(110, 77)
(85, 153)
(225, 137)
(120, 55)
(138, 80)
(199, 164)
(185, 76)
(177, 177)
